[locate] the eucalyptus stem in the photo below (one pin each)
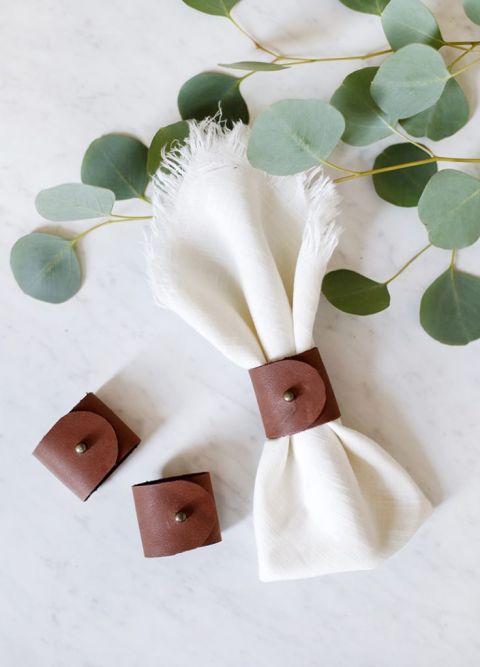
(371, 54)
(131, 217)
(345, 170)
(471, 160)
(460, 57)
(402, 165)
(410, 140)
(110, 221)
(474, 43)
(452, 259)
(456, 45)
(246, 76)
(291, 61)
(308, 61)
(407, 264)
(251, 38)
(464, 69)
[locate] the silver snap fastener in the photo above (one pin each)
(289, 396)
(180, 517)
(80, 448)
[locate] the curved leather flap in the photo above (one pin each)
(272, 381)
(160, 504)
(81, 471)
(127, 439)
(303, 380)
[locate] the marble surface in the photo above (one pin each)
(75, 588)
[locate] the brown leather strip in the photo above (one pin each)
(303, 379)
(127, 439)
(176, 514)
(86, 445)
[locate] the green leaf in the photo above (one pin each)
(450, 209)
(409, 22)
(402, 187)
(409, 81)
(166, 138)
(472, 10)
(117, 162)
(444, 118)
(366, 6)
(450, 308)
(74, 201)
(214, 7)
(294, 135)
(254, 66)
(365, 122)
(355, 294)
(46, 267)
(201, 96)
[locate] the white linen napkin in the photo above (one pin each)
(240, 255)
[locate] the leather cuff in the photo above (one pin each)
(294, 394)
(86, 445)
(176, 514)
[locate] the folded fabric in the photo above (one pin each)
(240, 255)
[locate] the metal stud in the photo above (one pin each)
(81, 448)
(289, 396)
(180, 517)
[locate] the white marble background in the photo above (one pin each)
(75, 589)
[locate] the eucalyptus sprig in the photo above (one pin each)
(412, 94)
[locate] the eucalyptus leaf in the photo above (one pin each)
(205, 93)
(355, 294)
(117, 162)
(409, 22)
(410, 80)
(450, 209)
(472, 10)
(46, 267)
(444, 118)
(366, 6)
(74, 201)
(365, 122)
(294, 135)
(165, 139)
(450, 308)
(214, 7)
(402, 187)
(254, 66)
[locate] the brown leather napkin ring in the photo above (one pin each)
(176, 514)
(294, 394)
(86, 445)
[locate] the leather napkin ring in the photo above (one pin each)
(86, 445)
(294, 394)
(176, 514)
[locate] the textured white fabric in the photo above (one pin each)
(240, 255)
